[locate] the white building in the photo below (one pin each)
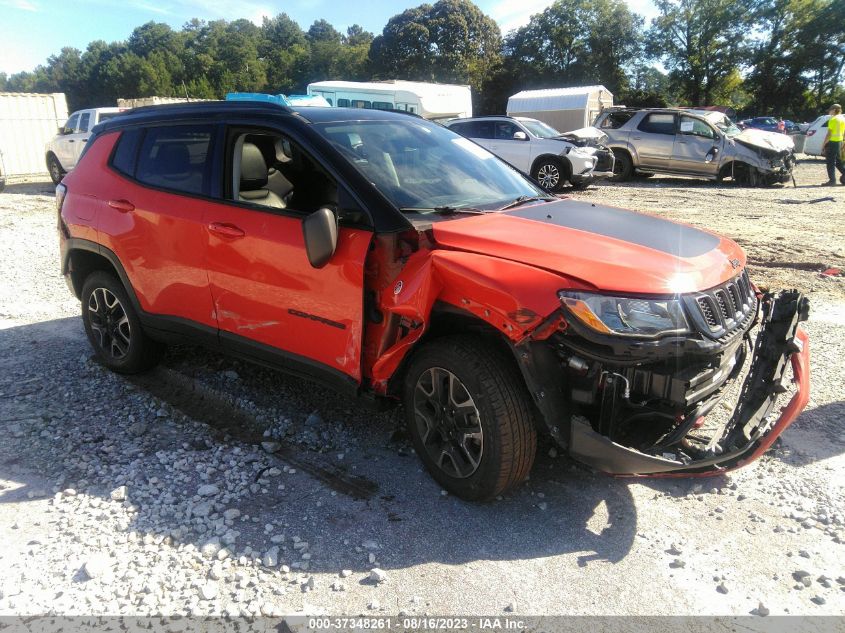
(565, 109)
(28, 122)
(431, 101)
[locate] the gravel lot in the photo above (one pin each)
(155, 495)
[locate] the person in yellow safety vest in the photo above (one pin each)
(832, 146)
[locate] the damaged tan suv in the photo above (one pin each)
(694, 143)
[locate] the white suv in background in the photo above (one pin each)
(66, 147)
(815, 136)
(539, 150)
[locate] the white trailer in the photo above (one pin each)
(565, 109)
(430, 101)
(27, 123)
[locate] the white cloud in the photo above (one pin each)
(22, 5)
(511, 14)
(257, 16)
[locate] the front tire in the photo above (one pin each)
(113, 328)
(551, 173)
(623, 167)
(55, 169)
(470, 417)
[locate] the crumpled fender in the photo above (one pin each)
(512, 297)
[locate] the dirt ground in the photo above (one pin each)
(154, 495)
(790, 234)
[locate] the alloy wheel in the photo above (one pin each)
(109, 322)
(448, 422)
(548, 176)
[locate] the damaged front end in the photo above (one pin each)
(594, 138)
(770, 157)
(698, 401)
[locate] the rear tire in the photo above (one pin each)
(623, 167)
(470, 417)
(113, 328)
(55, 169)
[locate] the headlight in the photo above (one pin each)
(627, 316)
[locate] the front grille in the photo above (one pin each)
(722, 311)
(604, 160)
(707, 312)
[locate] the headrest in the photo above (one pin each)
(253, 168)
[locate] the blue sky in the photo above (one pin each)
(32, 30)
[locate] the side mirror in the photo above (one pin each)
(520, 136)
(320, 232)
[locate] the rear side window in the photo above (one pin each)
(125, 152)
(474, 129)
(658, 123)
(84, 120)
(176, 158)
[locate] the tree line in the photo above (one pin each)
(782, 57)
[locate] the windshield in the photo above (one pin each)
(540, 129)
(423, 166)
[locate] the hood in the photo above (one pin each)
(604, 247)
(773, 141)
(586, 136)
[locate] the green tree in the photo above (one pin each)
(451, 41)
(287, 54)
(355, 62)
(702, 43)
(326, 45)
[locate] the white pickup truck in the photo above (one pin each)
(64, 150)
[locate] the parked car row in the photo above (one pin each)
(770, 124)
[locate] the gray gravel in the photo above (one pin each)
(161, 496)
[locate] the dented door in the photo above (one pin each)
(268, 296)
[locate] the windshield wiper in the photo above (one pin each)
(523, 199)
(444, 210)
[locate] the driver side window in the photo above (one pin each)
(505, 130)
(695, 127)
(270, 170)
(72, 124)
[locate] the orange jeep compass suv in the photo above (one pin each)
(389, 257)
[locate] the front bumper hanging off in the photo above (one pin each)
(753, 425)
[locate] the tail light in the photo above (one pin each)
(61, 192)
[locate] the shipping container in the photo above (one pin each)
(28, 121)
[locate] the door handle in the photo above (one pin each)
(124, 206)
(224, 229)
(71, 140)
(85, 140)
